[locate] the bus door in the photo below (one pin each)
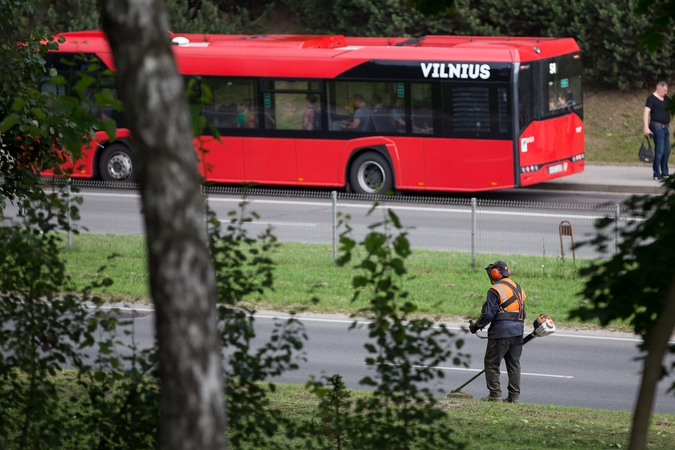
(292, 124)
(229, 104)
(221, 159)
(269, 160)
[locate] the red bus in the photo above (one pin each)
(437, 113)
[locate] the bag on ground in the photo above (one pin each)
(646, 154)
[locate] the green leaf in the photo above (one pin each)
(18, 104)
(57, 80)
(109, 126)
(9, 122)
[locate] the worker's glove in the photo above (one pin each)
(472, 327)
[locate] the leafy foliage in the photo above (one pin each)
(39, 333)
(187, 16)
(244, 270)
(405, 352)
(634, 283)
(663, 14)
(335, 413)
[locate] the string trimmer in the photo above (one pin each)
(543, 326)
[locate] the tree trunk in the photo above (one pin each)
(182, 280)
(653, 368)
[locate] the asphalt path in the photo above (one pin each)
(596, 369)
(527, 230)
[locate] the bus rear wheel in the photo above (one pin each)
(117, 164)
(370, 173)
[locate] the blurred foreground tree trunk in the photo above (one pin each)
(182, 280)
(652, 372)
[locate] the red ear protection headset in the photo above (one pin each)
(497, 270)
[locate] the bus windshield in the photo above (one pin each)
(562, 79)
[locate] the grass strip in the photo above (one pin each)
(444, 285)
(481, 425)
(504, 426)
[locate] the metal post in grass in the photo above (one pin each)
(617, 216)
(473, 232)
(335, 240)
(70, 242)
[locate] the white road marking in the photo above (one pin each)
(281, 224)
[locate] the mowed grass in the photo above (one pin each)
(443, 285)
(503, 426)
(480, 425)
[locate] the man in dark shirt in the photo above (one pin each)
(361, 120)
(504, 309)
(656, 120)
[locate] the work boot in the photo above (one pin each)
(511, 400)
(490, 399)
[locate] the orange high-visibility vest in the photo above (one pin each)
(511, 300)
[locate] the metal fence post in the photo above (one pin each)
(617, 230)
(70, 242)
(205, 196)
(335, 225)
(473, 232)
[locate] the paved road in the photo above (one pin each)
(575, 368)
(528, 230)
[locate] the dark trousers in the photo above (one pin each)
(508, 349)
(661, 136)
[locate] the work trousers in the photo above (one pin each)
(508, 349)
(661, 136)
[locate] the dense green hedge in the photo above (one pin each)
(606, 30)
(186, 16)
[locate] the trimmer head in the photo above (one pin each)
(460, 395)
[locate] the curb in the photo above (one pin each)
(611, 188)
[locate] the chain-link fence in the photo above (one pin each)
(433, 223)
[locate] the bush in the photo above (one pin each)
(201, 16)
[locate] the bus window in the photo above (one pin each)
(470, 109)
(503, 121)
(233, 104)
(292, 105)
(47, 87)
(562, 76)
(423, 110)
(366, 106)
(525, 96)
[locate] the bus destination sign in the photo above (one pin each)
(449, 70)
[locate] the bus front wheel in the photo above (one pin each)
(370, 173)
(117, 164)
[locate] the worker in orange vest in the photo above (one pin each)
(504, 310)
